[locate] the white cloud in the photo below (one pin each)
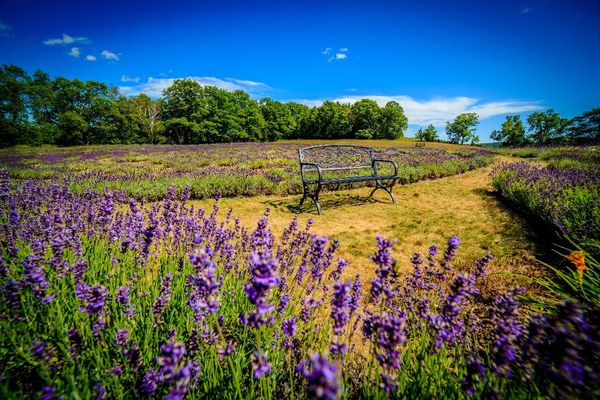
(438, 111)
(90, 57)
(525, 10)
(154, 87)
(242, 82)
(109, 55)
(74, 52)
(66, 39)
(341, 54)
(125, 78)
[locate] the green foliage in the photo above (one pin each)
(512, 132)
(279, 120)
(392, 121)
(462, 129)
(586, 127)
(13, 104)
(428, 134)
(332, 121)
(546, 127)
(364, 115)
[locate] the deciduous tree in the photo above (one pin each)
(546, 127)
(511, 133)
(462, 129)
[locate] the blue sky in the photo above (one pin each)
(437, 58)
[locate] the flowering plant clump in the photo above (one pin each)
(104, 297)
(566, 198)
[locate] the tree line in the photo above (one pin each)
(548, 127)
(544, 127)
(35, 110)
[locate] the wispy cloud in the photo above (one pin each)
(109, 55)
(75, 52)
(341, 54)
(242, 82)
(525, 10)
(154, 87)
(66, 39)
(438, 111)
(134, 79)
(90, 57)
(5, 29)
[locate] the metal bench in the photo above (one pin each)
(326, 165)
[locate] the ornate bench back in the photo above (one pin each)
(332, 157)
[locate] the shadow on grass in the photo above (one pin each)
(328, 202)
(543, 236)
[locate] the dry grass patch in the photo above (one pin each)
(426, 213)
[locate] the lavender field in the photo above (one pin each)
(106, 299)
(247, 169)
(106, 296)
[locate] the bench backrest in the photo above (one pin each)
(331, 157)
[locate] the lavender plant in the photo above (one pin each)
(105, 298)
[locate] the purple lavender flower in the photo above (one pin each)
(12, 294)
(262, 279)
(44, 353)
(93, 297)
(163, 298)
(100, 391)
(507, 332)
(289, 327)
(386, 270)
(321, 376)
(388, 382)
(36, 279)
(226, 350)
(150, 382)
(283, 302)
(340, 303)
(204, 296)
(48, 393)
(260, 366)
(122, 337)
(356, 295)
(122, 298)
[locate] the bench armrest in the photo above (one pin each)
(313, 165)
(377, 160)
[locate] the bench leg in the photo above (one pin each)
(314, 196)
(387, 188)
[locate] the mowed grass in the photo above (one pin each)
(426, 212)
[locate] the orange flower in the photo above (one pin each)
(578, 260)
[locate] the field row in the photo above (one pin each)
(248, 169)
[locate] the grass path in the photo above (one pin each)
(427, 212)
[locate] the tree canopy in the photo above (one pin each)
(462, 129)
(546, 127)
(511, 133)
(428, 134)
